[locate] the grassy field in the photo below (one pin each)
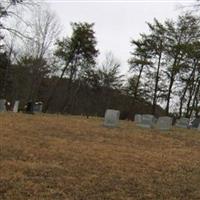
(74, 158)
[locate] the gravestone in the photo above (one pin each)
(111, 118)
(148, 121)
(138, 119)
(16, 107)
(2, 105)
(198, 128)
(164, 123)
(183, 122)
(195, 123)
(38, 106)
(29, 107)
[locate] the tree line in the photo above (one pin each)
(37, 65)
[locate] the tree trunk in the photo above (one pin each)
(182, 99)
(169, 94)
(156, 85)
(137, 85)
(195, 99)
(186, 88)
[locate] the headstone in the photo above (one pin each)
(138, 119)
(38, 106)
(195, 123)
(148, 121)
(183, 122)
(111, 118)
(2, 105)
(16, 107)
(29, 107)
(164, 123)
(198, 128)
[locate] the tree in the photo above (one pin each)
(78, 54)
(7, 9)
(165, 64)
(43, 29)
(155, 43)
(4, 74)
(140, 62)
(109, 78)
(179, 35)
(109, 73)
(188, 79)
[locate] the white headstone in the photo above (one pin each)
(2, 105)
(164, 123)
(183, 122)
(111, 118)
(148, 121)
(16, 107)
(138, 119)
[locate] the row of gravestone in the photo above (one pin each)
(31, 107)
(111, 119)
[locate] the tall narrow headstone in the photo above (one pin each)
(183, 122)
(2, 105)
(16, 107)
(164, 123)
(198, 128)
(138, 119)
(111, 118)
(148, 121)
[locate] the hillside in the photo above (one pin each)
(74, 158)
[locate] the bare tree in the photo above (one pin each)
(13, 9)
(109, 77)
(43, 31)
(35, 54)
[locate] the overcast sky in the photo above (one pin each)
(116, 23)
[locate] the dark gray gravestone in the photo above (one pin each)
(195, 123)
(37, 108)
(138, 119)
(111, 118)
(16, 107)
(2, 105)
(164, 123)
(29, 107)
(148, 121)
(198, 128)
(183, 122)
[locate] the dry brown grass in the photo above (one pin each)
(74, 158)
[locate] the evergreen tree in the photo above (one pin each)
(78, 54)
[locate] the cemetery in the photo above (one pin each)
(99, 105)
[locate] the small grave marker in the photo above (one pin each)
(111, 118)
(138, 119)
(16, 107)
(2, 105)
(195, 123)
(183, 122)
(148, 121)
(37, 108)
(164, 123)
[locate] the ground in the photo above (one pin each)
(75, 158)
